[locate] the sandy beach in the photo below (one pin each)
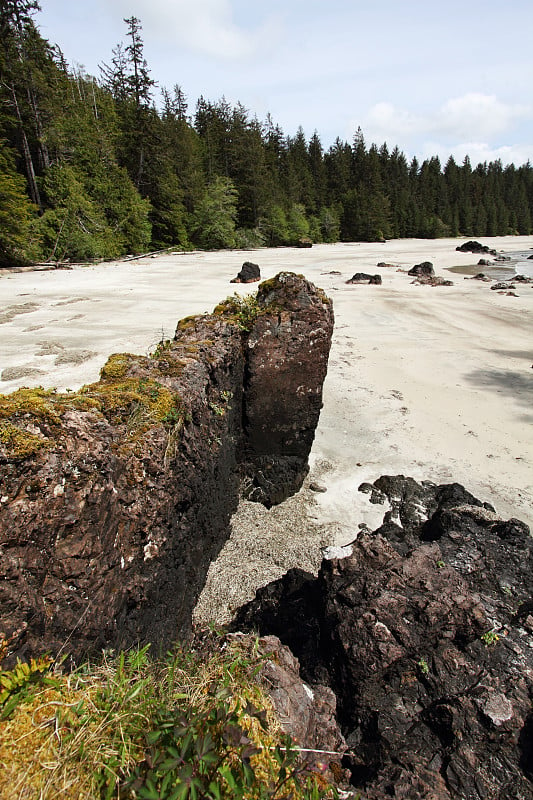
(432, 382)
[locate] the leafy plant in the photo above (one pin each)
(194, 725)
(423, 666)
(16, 684)
(489, 638)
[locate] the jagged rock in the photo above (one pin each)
(286, 357)
(483, 262)
(522, 279)
(425, 268)
(250, 273)
(432, 280)
(307, 714)
(421, 631)
(477, 247)
(114, 500)
(503, 285)
(363, 277)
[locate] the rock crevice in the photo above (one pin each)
(116, 499)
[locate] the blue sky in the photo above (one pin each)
(434, 78)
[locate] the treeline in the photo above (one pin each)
(90, 168)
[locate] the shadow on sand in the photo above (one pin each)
(517, 385)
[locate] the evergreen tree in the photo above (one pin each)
(214, 219)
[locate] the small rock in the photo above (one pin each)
(317, 487)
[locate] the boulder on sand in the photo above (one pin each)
(363, 277)
(425, 268)
(250, 273)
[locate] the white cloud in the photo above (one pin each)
(466, 124)
(204, 26)
(478, 115)
(478, 152)
(473, 116)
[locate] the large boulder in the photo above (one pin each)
(423, 269)
(286, 363)
(249, 273)
(475, 247)
(423, 631)
(115, 499)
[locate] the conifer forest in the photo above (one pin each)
(97, 167)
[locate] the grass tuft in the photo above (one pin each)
(194, 725)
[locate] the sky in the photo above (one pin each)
(432, 77)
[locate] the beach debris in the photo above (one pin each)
(364, 277)
(250, 273)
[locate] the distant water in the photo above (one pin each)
(519, 264)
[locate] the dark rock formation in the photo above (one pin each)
(476, 247)
(384, 264)
(250, 273)
(363, 277)
(424, 633)
(503, 285)
(114, 500)
(432, 280)
(425, 268)
(484, 262)
(307, 714)
(480, 277)
(304, 242)
(286, 363)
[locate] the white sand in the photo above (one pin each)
(432, 382)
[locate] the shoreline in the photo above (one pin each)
(431, 382)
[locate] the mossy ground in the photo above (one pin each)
(132, 728)
(30, 419)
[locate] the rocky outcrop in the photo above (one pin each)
(422, 270)
(423, 630)
(249, 273)
(475, 247)
(115, 499)
(363, 277)
(286, 363)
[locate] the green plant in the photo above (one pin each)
(218, 410)
(423, 666)
(489, 638)
(440, 564)
(244, 309)
(17, 684)
(194, 725)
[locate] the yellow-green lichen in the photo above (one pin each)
(17, 443)
(117, 366)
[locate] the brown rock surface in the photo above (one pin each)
(114, 500)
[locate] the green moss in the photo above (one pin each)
(17, 443)
(187, 323)
(39, 402)
(116, 366)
